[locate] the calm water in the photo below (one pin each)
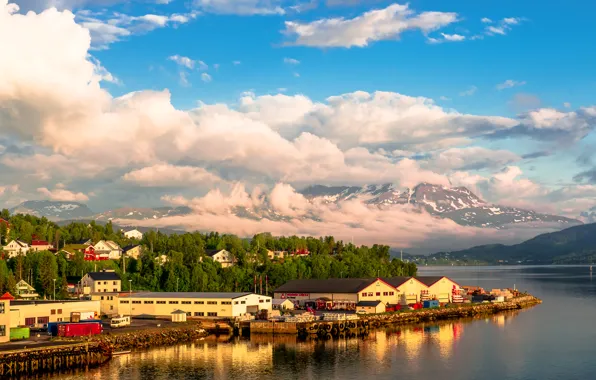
(555, 340)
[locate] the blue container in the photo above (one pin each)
(430, 304)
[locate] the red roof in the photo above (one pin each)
(4, 222)
(7, 296)
(39, 242)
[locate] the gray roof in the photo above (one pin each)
(368, 303)
(104, 276)
(331, 285)
(178, 312)
(187, 295)
(213, 252)
(429, 280)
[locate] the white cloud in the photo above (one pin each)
(183, 61)
(206, 77)
(509, 83)
(166, 175)
(486, 20)
(496, 30)
(453, 37)
(297, 75)
(108, 29)
(61, 194)
(567, 105)
(511, 20)
(470, 158)
(240, 7)
(504, 26)
(237, 63)
(469, 92)
(291, 61)
(375, 25)
(183, 79)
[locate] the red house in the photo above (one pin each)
(301, 252)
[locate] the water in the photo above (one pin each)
(555, 340)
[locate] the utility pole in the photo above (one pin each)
(402, 255)
(54, 289)
(130, 298)
(123, 263)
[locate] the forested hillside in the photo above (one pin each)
(186, 267)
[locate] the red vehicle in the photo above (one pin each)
(79, 329)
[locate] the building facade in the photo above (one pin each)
(5, 317)
(15, 248)
(40, 245)
(195, 305)
(106, 281)
(133, 234)
(109, 249)
(40, 313)
(133, 251)
(108, 303)
(440, 287)
(225, 258)
(26, 291)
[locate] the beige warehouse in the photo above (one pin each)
(40, 313)
(194, 304)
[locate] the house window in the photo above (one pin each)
(123, 301)
(111, 308)
(59, 320)
(53, 311)
(243, 302)
(30, 321)
(378, 293)
(102, 298)
(199, 314)
(2, 307)
(161, 302)
(226, 302)
(136, 302)
(148, 302)
(260, 301)
(114, 290)
(114, 283)
(391, 293)
(212, 314)
(173, 302)
(370, 294)
(2, 330)
(59, 311)
(385, 293)
(211, 302)
(363, 294)
(186, 302)
(268, 300)
(199, 302)
(235, 302)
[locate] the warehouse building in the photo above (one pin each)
(194, 304)
(5, 317)
(38, 314)
(346, 293)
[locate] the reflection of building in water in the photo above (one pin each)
(412, 340)
(499, 320)
(445, 337)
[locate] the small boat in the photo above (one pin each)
(117, 353)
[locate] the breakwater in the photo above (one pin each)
(30, 361)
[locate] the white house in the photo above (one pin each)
(109, 248)
(16, 247)
(133, 234)
(225, 258)
(106, 281)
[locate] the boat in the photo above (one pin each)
(123, 352)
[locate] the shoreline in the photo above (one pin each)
(73, 354)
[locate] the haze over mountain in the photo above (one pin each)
(291, 94)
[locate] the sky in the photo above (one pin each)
(217, 103)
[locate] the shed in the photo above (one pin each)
(178, 316)
(370, 307)
(280, 304)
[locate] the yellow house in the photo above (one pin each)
(5, 317)
(106, 281)
(410, 289)
(133, 251)
(379, 290)
(440, 287)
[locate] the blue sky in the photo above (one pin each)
(202, 102)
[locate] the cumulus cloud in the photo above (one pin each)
(166, 175)
(61, 194)
(371, 26)
(453, 37)
(188, 62)
(470, 158)
(486, 20)
(509, 83)
(503, 26)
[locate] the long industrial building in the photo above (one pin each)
(38, 314)
(348, 292)
(194, 304)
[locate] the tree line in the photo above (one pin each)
(178, 262)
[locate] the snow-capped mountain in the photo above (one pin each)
(458, 203)
(141, 213)
(53, 210)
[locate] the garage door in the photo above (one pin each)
(443, 297)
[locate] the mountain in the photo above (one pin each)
(574, 245)
(458, 204)
(141, 213)
(53, 210)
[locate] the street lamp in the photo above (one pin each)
(54, 289)
(130, 298)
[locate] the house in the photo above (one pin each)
(109, 249)
(133, 251)
(276, 255)
(101, 282)
(133, 234)
(440, 288)
(225, 258)
(5, 322)
(86, 249)
(301, 252)
(74, 284)
(370, 307)
(279, 304)
(16, 247)
(26, 291)
(40, 245)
